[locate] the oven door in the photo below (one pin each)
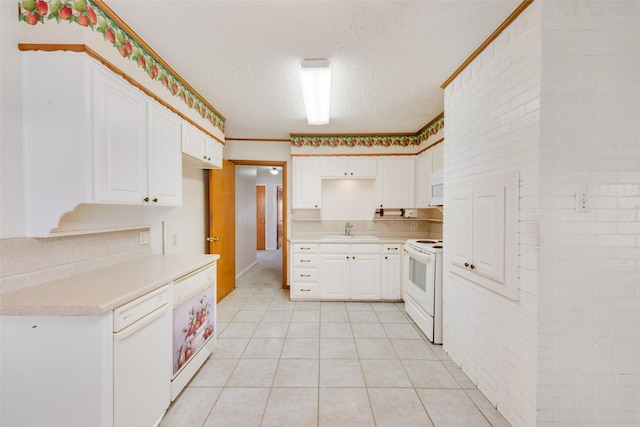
(419, 269)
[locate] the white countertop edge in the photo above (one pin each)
(98, 291)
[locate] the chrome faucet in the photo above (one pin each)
(347, 229)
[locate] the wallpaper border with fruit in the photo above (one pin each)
(398, 140)
(90, 14)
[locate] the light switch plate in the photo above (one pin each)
(145, 237)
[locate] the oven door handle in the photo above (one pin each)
(425, 258)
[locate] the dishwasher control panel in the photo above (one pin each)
(137, 309)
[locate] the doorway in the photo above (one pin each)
(270, 210)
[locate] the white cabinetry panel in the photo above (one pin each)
(306, 183)
(396, 182)
(165, 161)
(349, 167)
(483, 238)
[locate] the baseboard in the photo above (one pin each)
(249, 267)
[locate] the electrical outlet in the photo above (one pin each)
(582, 201)
(370, 225)
(413, 226)
(145, 237)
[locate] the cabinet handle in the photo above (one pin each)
(305, 275)
(146, 199)
(305, 260)
(155, 200)
(305, 249)
(472, 266)
(466, 264)
(305, 290)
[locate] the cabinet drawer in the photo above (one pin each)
(304, 248)
(305, 260)
(305, 274)
(395, 248)
(304, 290)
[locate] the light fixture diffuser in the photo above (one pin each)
(274, 171)
(315, 79)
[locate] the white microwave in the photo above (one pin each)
(436, 189)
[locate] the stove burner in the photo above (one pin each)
(437, 246)
(429, 241)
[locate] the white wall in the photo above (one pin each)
(12, 220)
(184, 230)
(492, 114)
(589, 263)
(245, 218)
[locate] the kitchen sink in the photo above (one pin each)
(343, 237)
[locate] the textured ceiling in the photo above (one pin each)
(388, 58)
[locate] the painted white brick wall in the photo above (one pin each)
(556, 96)
(492, 115)
(589, 270)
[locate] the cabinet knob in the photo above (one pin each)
(352, 173)
(472, 266)
(146, 199)
(345, 173)
(386, 257)
(155, 200)
(466, 264)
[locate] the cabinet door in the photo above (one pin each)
(165, 160)
(488, 231)
(365, 276)
(423, 174)
(120, 141)
(306, 183)
(334, 167)
(193, 141)
(438, 157)
(213, 153)
(391, 283)
(396, 182)
(334, 276)
(363, 167)
(459, 242)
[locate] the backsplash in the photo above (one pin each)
(428, 223)
(26, 262)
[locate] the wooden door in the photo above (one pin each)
(261, 201)
(280, 231)
(222, 225)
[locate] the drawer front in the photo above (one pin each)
(304, 290)
(391, 249)
(304, 248)
(305, 274)
(303, 260)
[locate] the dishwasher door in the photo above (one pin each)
(142, 360)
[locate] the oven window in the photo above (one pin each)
(418, 274)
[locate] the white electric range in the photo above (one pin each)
(422, 280)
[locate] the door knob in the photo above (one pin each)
(213, 239)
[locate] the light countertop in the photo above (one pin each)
(99, 291)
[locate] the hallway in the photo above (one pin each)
(283, 363)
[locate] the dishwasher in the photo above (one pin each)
(142, 359)
(194, 324)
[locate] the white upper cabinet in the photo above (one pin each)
(424, 168)
(200, 149)
(396, 182)
(306, 183)
(349, 167)
(95, 146)
(165, 160)
(438, 156)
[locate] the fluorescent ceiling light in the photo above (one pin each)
(315, 78)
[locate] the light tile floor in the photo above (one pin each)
(283, 363)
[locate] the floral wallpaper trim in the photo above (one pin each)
(87, 13)
(334, 141)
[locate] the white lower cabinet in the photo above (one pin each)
(350, 271)
(391, 277)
